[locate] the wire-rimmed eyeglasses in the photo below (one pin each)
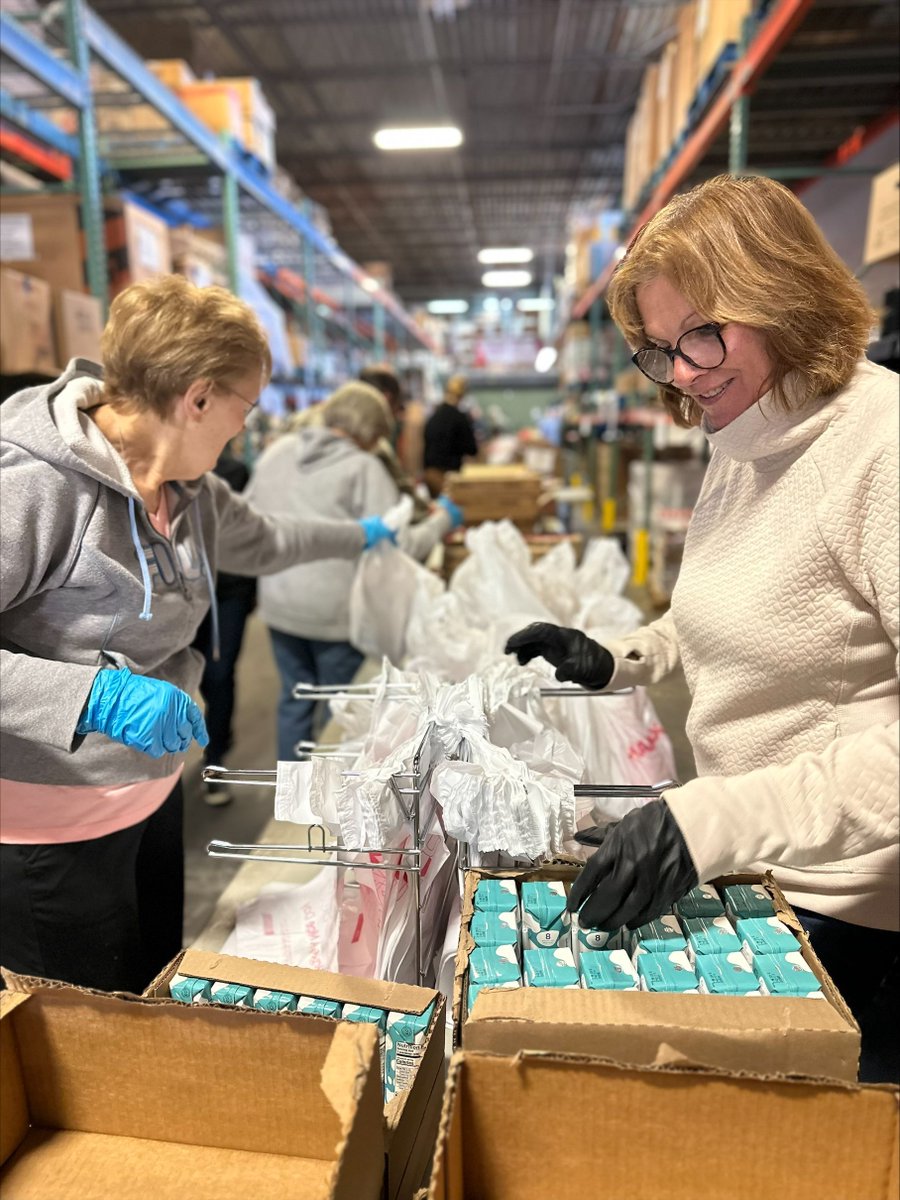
(702, 348)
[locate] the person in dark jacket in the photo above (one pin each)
(449, 436)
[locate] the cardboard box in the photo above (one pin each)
(410, 1119)
(536, 1126)
(41, 236)
(734, 1033)
(78, 321)
(717, 25)
(883, 228)
(137, 244)
(173, 72)
(26, 329)
(257, 118)
(200, 256)
(107, 1095)
(216, 104)
(496, 493)
(684, 67)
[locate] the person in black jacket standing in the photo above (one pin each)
(449, 436)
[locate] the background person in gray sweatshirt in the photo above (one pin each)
(329, 469)
(113, 529)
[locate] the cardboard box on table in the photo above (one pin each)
(410, 1119)
(535, 1126)
(762, 1034)
(488, 493)
(111, 1095)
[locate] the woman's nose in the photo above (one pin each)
(683, 373)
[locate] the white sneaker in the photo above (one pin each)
(216, 795)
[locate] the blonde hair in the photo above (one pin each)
(746, 250)
(359, 411)
(165, 333)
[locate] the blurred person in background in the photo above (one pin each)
(384, 379)
(113, 529)
(329, 470)
(449, 436)
(785, 613)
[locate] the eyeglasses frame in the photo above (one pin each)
(675, 350)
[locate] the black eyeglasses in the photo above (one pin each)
(702, 348)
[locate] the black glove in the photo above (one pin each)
(577, 658)
(642, 867)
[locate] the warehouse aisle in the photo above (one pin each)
(254, 747)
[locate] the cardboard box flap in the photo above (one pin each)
(13, 1101)
(344, 1073)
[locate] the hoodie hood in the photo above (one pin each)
(319, 449)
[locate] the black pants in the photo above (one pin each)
(217, 684)
(105, 913)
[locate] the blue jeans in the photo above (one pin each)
(865, 967)
(305, 660)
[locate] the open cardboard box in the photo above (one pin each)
(540, 1125)
(410, 1119)
(112, 1095)
(769, 1034)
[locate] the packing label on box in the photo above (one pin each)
(545, 921)
(710, 935)
(494, 928)
(496, 895)
(747, 900)
(764, 935)
(607, 970)
(787, 974)
(701, 901)
(405, 1036)
(670, 972)
(316, 1006)
(726, 975)
(550, 968)
(663, 934)
(235, 995)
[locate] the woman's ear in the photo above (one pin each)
(196, 398)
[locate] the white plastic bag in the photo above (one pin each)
(293, 924)
(387, 584)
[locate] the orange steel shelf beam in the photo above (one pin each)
(51, 162)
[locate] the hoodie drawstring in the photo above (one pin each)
(146, 611)
(210, 582)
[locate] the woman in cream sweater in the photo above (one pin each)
(785, 613)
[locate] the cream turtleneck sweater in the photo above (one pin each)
(785, 619)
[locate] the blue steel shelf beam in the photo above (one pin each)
(32, 121)
(37, 60)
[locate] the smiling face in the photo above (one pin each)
(723, 392)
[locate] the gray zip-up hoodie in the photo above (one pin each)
(319, 471)
(87, 583)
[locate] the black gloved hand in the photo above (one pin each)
(642, 867)
(577, 658)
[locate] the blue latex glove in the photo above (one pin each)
(376, 531)
(147, 714)
(456, 513)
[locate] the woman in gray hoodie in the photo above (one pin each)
(113, 530)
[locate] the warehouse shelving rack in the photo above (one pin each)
(195, 152)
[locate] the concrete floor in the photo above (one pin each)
(254, 748)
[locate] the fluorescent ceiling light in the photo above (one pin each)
(503, 279)
(513, 254)
(620, 253)
(434, 137)
(369, 284)
(447, 307)
(546, 357)
(536, 304)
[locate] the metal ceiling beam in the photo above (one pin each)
(315, 187)
(359, 72)
(470, 150)
(368, 116)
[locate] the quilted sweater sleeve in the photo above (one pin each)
(645, 656)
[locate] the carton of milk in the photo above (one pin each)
(607, 970)
(710, 935)
(494, 928)
(545, 921)
(744, 900)
(657, 937)
(364, 1014)
(787, 974)
(317, 1006)
(764, 935)
(496, 895)
(550, 968)
(725, 975)
(268, 1000)
(701, 901)
(405, 1035)
(234, 995)
(585, 937)
(189, 990)
(493, 965)
(670, 972)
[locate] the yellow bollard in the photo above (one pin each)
(641, 565)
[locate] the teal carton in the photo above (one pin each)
(316, 1006)
(268, 1000)
(492, 965)
(607, 970)
(725, 975)
(584, 937)
(545, 921)
(550, 968)
(189, 990)
(405, 1035)
(744, 900)
(670, 972)
(234, 995)
(660, 936)
(364, 1014)
(764, 935)
(701, 901)
(787, 974)
(710, 935)
(475, 988)
(496, 895)
(494, 928)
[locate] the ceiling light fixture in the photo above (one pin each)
(506, 279)
(546, 357)
(369, 284)
(447, 307)
(536, 304)
(432, 137)
(513, 254)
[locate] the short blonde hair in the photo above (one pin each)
(746, 250)
(165, 333)
(359, 411)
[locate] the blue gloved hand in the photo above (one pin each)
(376, 531)
(456, 513)
(147, 714)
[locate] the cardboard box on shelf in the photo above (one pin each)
(410, 1119)
(199, 255)
(684, 67)
(883, 227)
(496, 493)
(26, 325)
(78, 321)
(41, 236)
(137, 244)
(216, 104)
(107, 1095)
(173, 72)
(716, 25)
(734, 1033)
(257, 118)
(526, 1127)
(665, 101)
